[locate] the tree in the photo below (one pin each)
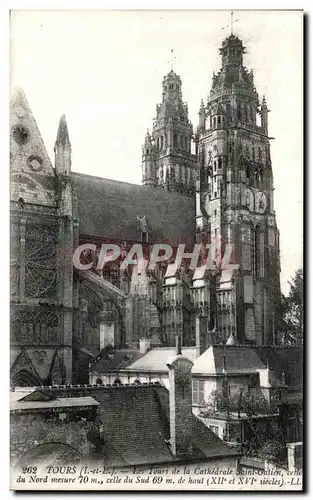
(292, 312)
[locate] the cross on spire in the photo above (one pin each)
(172, 59)
(232, 21)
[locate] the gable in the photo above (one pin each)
(29, 161)
(38, 396)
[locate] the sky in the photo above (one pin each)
(104, 71)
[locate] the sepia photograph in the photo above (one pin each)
(156, 250)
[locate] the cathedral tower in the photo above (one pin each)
(235, 199)
(167, 160)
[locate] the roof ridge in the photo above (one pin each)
(81, 174)
(85, 386)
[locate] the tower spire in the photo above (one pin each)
(231, 25)
(172, 60)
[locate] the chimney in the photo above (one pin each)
(180, 399)
(144, 345)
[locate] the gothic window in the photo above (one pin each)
(215, 194)
(261, 176)
(246, 248)
(214, 121)
(215, 213)
(248, 113)
(162, 142)
(186, 144)
(158, 143)
(219, 120)
(248, 172)
(99, 381)
(214, 165)
(175, 140)
(220, 163)
(259, 252)
(171, 86)
(40, 261)
(14, 260)
(32, 326)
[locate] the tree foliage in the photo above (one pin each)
(292, 312)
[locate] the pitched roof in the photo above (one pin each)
(157, 359)
(24, 404)
(135, 426)
(109, 209)
(115, 359)
(239, 359)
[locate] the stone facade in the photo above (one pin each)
(235, 199)
(62, 316)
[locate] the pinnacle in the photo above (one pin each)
(62, 135)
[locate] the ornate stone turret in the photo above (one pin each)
(167, 159)
(264, 116)
(235, 199)
(62, 149)
(148, 162)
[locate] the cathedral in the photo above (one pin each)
(203, 186)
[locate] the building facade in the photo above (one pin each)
(222, 195)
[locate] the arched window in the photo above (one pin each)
(162, 140)
(137, 381)
(259, 252)
(117, 381)
(214, 121)
(99, 381)
(175, 140)
(220, 163)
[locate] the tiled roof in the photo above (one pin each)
(250, 359)
(238, 360)
(156, 359)
(115, 359)
(20, 405)
(109, 209)
(135, 423)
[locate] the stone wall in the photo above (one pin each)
(49, 431)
